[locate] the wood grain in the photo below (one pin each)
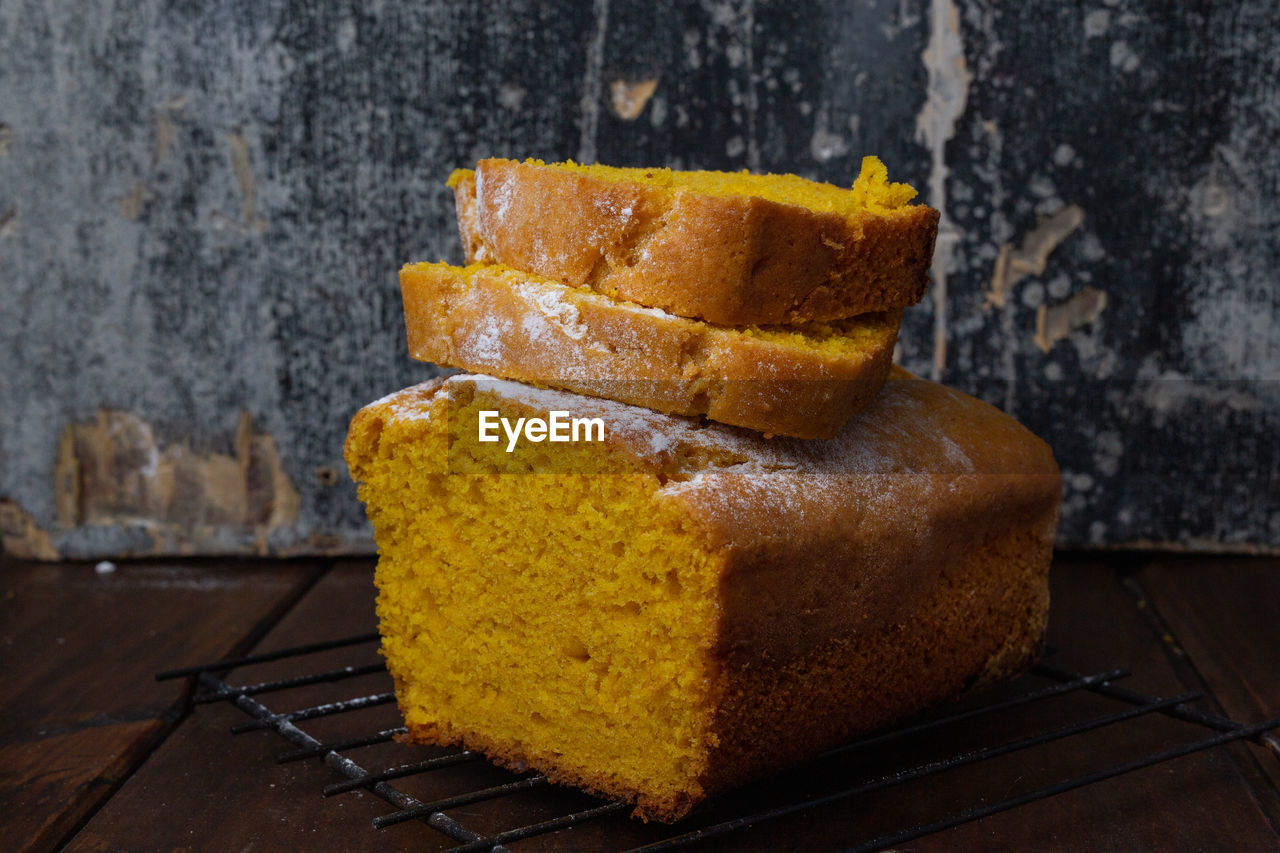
(1222, 619)
(80, 649)
(224, 792)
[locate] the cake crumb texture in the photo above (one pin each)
(553, 620)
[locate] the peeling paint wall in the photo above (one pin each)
(111, 472)
(203, 208)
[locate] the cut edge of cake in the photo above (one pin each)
(804, 602)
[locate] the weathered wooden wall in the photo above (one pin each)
(203, 207)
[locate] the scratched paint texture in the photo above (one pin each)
(203, 208)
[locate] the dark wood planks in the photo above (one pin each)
(80, 649)
(1200, 802)
(205, 789)
(1196, 803)
(1222, 617)
(1225, 614)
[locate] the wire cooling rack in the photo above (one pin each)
(931, 746)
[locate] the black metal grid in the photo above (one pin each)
(1212, 731)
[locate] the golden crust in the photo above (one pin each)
(519, 326)
(728, 260)
(978, 618)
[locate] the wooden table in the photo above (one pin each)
(98, 755)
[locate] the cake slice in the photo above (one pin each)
(730, 248)
(672, 609)
(803, 381)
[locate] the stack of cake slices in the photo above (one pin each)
(755, 548)
(766, 302)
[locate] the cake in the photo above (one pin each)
(800, 381)
(675, 608)
(734, 249)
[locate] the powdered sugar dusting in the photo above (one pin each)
(481, 190)
(392, 400)
(412, 403)
(905, 413)
(633, 424)
(549, 302)
(493, 207)
(913, 427)
(487, 346)
(659, 442)
(493, 198)
(649, 311)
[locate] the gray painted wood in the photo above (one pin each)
(203, 208)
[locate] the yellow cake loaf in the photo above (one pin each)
(730, 248)
(804, 381)
(673, 608)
